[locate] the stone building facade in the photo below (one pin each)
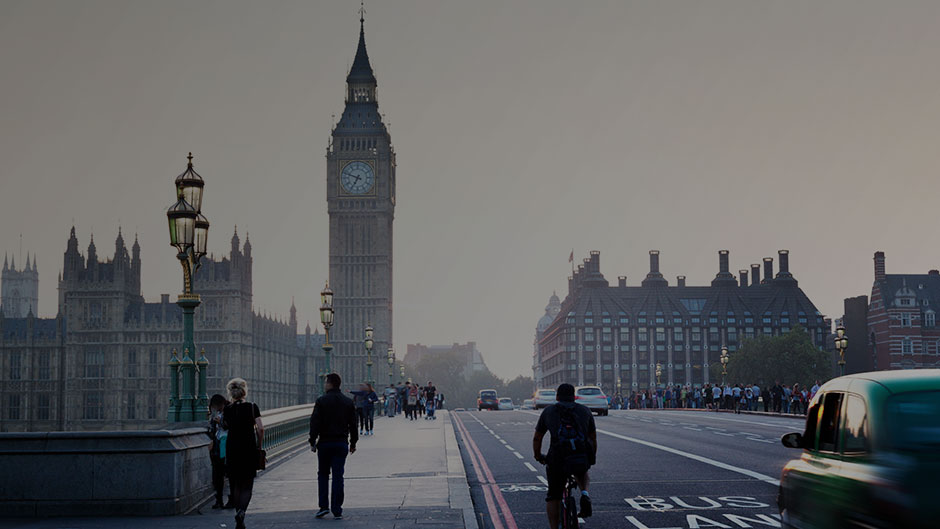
(607, 335)
(902, 328)
(551, 312)
(102, 362)
(360, 168)
(19, 289)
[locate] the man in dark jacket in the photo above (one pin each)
(333, 436)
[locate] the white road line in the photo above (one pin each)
(517, 454)
(502, 441)
(510, 448)
(701, 459)
(530, 467)
(543, 480)
(691, 428)
(496, 436)
(723, 433)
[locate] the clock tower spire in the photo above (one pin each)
(360, 168)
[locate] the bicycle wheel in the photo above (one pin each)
(570, 513)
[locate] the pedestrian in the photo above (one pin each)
(411, 409)
(242, 419)
(359, 401)
(431, 395)
(390, 400)
(365, 399)
(777, 393)
(755, 389)
(728, 395)
(333, 436)
(218, 436)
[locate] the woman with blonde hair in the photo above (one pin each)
(242, 419)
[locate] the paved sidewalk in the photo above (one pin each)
(409, 474)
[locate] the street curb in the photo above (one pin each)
(458, 489)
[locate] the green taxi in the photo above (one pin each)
(871, 454)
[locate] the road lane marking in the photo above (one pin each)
(490, 487)
(695, 457)
(723, 433)
(509, 447)
(530, 467)
(543, 480)
(504, 442)
(712, 416)
(691, 428)
(517, 454)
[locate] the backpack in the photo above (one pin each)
(569, 444)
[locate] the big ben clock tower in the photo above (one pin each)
(360, 169)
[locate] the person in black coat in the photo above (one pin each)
(242, 419)
(333, 436)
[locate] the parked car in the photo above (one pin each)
(593, 398)
(505, 403)
(544, 397)
(871, 454)
(528, 404)
(487, 399)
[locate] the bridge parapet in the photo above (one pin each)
(122, 473)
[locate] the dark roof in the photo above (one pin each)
(924, 287)
(360, 118)
(15, 328)
(361, 71)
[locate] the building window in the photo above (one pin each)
(131, 405)
(589, 334)
(606, 335)
(152, 407)
(94, 364)
(588, 318)
(907, 346)
(16, 365)
(905, 319)
(13, 407)
(677, 335)
(660, 334)
(930, 319)
(132, 371)
(641, 335)
(42, 407)
(605, 318)
(93, 406)
(154, 363)
(768, 331)
(45, 370)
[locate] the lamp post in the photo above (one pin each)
(842, 343)
(326, 318)
(189, 230)
(391, 365)
(369, 343)
(401, 373)
(724, 364)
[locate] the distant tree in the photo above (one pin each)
(519, 389)
(789, 358)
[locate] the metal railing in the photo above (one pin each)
(285, 427)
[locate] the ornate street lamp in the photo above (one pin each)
(842, 343)
(369, 343)
(724, 364)
(401, 373)
(326, 318)
(189, 231)
(391, 365)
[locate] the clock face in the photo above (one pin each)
(357, 178)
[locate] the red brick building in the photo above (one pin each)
(902, 319)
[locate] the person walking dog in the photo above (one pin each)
(333, 436)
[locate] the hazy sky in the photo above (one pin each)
(523, 130)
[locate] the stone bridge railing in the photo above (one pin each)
(113, 473)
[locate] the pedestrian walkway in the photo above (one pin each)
(409, 474)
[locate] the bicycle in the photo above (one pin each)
(569, 506)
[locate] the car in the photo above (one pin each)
(460, 409)
(505, 403)
(528, 404)
(869, 454)
(593, 398)
(488, 400)
(543, 398)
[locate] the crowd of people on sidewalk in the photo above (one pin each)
(412, 400)
(778, 398)
(237, 435)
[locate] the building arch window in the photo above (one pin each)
(930, 318)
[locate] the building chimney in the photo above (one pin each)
(621, 281)
(680, 280)
(755, 274)
(654, 262)
(879, 266)
(723, 262)
(784, 263)
(595, 261)
(768, 269)
(742, 274)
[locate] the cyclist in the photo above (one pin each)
(572, 450)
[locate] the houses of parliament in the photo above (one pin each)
(101, 363)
